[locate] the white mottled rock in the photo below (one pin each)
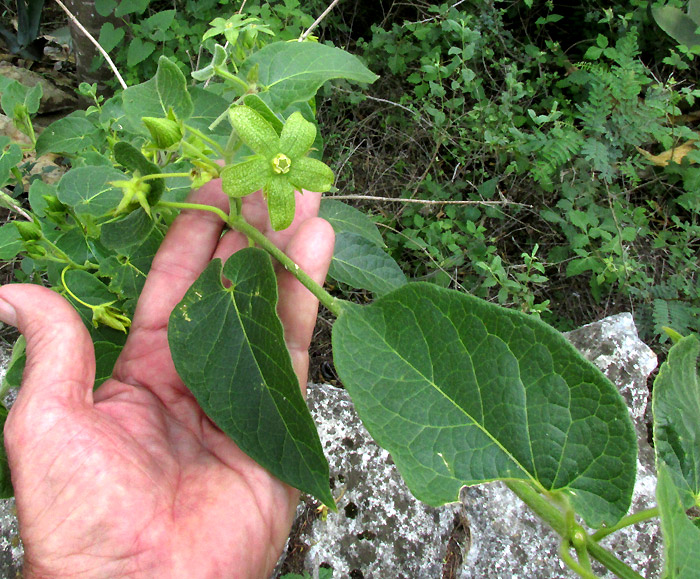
(394, 535)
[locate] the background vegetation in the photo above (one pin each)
(553, 142)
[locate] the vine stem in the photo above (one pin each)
(237, 222)
(633, 519)
(91, 38)
(427, 201)
(334, 305)
(556, 519)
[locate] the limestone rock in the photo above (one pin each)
(380, 530)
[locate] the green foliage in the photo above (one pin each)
(257, 402)
(537, 143)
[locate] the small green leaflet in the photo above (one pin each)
(681, 536)
(362, 264)
(10, 156)
(155, 97)
(462, 392)
(228, 347)
(139, 50)
(676, 408)
(294, 71)
(88, 190)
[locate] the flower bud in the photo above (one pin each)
(164, 132)
(29, 230)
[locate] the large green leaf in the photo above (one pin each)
(71, 134)
(155, 97)
(228, 348)
(128, 231)
(463, 392)
(88, 288)
(681, 536)
(88, 190)
(676, 408)
(678, 25)
(362, 264)
(347, 219)
(290, 72)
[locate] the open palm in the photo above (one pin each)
(133, 479)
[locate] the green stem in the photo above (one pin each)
(633, 519)
(207, 139)
(197, 154)
(223, 73)
(571, 563)
(198, 206)
(164, 176)
(63, 257)
(555, 519)
(240, 224)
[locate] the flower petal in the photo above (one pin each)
(244, 178)
(280, 201)
(310, 174)
(297, 136)
(255, 131)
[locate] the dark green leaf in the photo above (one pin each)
(89, 191)
(361, 264)
(681, 536)
(228, 347)
(676, 409)
(69, 135)
(155, 97)
(37, 190)
(462, 392)
(293, 71)
(6, 490)
(106, 354)
(128, 231)
(105, 7)
(347, 219)
(88, 288)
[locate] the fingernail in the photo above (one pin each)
(8, 314)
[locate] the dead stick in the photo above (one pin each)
(91, 38)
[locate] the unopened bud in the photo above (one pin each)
(164, 132)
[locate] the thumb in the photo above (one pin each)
(60, 357)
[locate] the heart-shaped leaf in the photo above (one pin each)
(463, 392)
(228, 347)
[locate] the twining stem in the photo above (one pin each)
(223, 73)
(164, 176)
(571, 563)
(258, 237)
(556, 519)
(633, 519)
(198, 206)
(237, 222)
(206, 139)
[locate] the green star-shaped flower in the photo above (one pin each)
(280, 165)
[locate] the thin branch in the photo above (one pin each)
(426, 201)
(91, 38)
(318, 20)
(240, 10)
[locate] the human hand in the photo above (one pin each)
(133, 480)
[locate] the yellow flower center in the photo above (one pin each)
(281, 164)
